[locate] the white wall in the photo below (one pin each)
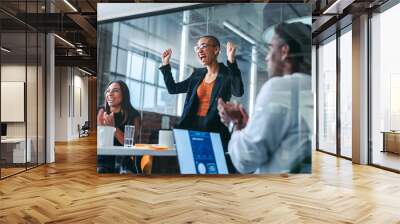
(80, 85)
(12, 73)
(61, 103)
(69, 85)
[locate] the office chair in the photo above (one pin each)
(84, 130)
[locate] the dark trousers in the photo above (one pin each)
(118, 164)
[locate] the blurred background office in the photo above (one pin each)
(47, 79)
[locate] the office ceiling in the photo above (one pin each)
(330, 15)
(79, 27)
(75, 22)
(22, 48)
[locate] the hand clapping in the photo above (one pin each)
(104, 119)
(232, 112)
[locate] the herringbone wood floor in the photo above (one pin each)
(70, 191)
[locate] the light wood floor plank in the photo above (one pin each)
(70, 191)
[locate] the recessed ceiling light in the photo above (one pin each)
(65, 41)
(84, 71)
(5, 50)
(70, 5)
(337, 7)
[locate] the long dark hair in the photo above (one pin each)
(126, 106)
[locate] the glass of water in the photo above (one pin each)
(129, 135)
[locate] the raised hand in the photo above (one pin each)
(230, 51)
(109, 119)
(100, 117)
(165, 56)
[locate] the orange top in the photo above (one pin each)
(204, 95)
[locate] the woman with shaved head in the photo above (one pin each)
(205, 85)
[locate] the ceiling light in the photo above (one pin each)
(337, 7)
(5, 50)
(70, 5)
(239, 33)
(84, 71)
(64, 40)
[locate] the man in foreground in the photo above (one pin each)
(277, 136)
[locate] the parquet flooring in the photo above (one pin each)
(10, 171)
(386, 159)
(70, 191)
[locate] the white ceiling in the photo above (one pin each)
(108, 11)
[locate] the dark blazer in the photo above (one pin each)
(228, 82)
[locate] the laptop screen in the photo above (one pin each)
(200, 152)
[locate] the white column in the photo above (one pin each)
(253, 78)
(50, 101)
(314, 90)
(360, 90)
(182, 57)
(50, 92)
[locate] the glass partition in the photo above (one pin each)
(13, 103)
(41, 97)
(22, 91)
(385, 89)
(327, 96)
(346, 75)
(32, 98)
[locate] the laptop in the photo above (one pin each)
(200, 152)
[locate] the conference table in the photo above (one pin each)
(134, 151)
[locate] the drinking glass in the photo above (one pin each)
(129, 134)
